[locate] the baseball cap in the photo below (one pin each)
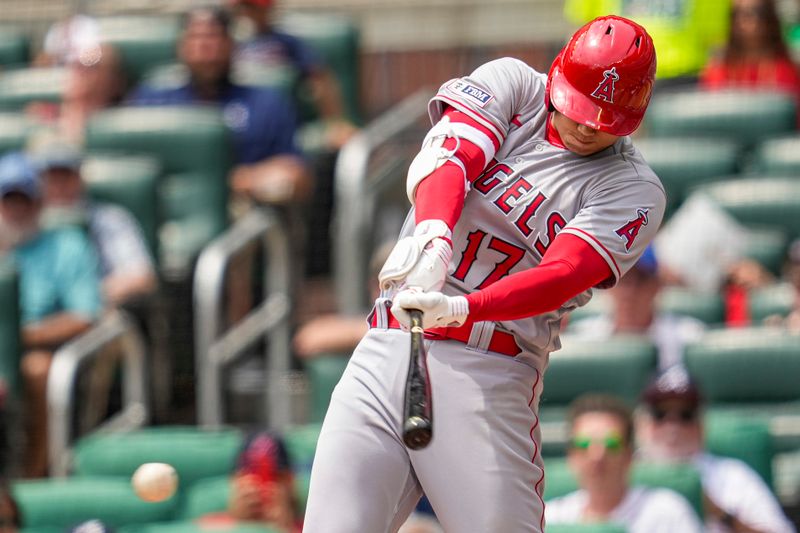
(51, 150)
(264, 455)
(648, 263)
(673, 383)
(17, 174)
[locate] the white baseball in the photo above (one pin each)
(155, 482)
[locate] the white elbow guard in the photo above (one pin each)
(431, 156)
(406, 254)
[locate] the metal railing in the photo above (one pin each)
(216, 348)
(115, 327)
(357, 187)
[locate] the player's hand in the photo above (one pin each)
(438, 310)
(419, 261)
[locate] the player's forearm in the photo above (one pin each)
(570, 267)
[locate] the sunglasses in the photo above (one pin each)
(681, 415)
(611, 442)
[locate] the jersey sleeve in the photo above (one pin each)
(494, 96)
(619, 221)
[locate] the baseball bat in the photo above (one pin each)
(417, 408)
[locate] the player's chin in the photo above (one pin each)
(580, 148)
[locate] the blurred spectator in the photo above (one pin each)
(125, 264)
(262, 487)
(336, 334)
(262, 121)
(67, 38)
(600, 455)
(669, 428)
(792, 275)
(684, 32)
(263, 44)
(10, 519)
(59, 290)
(755, 55)
(95, 81)
(634, 310)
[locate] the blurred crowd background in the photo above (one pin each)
(196, 197)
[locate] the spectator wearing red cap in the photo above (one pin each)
(669, 428)
(262, 487)
(263, 44)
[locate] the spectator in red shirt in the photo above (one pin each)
(755, 55)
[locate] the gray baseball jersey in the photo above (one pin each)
(533, 190)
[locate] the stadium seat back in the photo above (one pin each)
(742, 115)
(22, 86)
(746, 365)
(742, 437)
(619, 365)
(144, 42)
(130, 182)
(772, 300)
(706, 307)
(683, 162)
(64, 503)
(760, 201)
(779, 156)
(14, 48)
(195, 453)
(14, 130)
(10, 346)
(209, 495)
(323, 375)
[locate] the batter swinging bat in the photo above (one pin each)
(417, 409)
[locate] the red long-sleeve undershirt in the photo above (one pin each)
(569, 267)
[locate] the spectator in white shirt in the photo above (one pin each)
(669, 428)
(600, 455)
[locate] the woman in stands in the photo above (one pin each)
(755, 55)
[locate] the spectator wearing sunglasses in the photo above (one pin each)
(669, 428)
(600, 455)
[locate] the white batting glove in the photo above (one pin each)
(438, 310)
(419, 261)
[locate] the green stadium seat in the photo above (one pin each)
(144, 42)
(192, 527)
(751, 372)
(683, 162)
(192, 143)
(779, 156)
(336, 39)
(301, 443)
(195, 453)
(741, 115)
(743, 438)
(209, 495)
(14, 130)
(683, 479)
(175, 75)
(767, 246)
(14, 48)
(323, 374)
(66, 502)
(708, 308)
(10, 346)
(772, 202)
(620, 365)
(128, 181)
(777, 299)
(22, 86)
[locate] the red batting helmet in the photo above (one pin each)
(603, 77)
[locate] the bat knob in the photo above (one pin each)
(417, 432)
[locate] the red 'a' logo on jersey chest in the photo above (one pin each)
(605, 91)
(630, 230)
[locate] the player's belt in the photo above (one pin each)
(501, 342)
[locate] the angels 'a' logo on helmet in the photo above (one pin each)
(605, 90)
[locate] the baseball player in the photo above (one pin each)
(526, 194)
